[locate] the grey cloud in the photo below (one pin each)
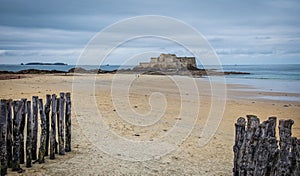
(25, 38)
(248, 28)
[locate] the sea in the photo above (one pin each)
(283, 78)
(15, 68)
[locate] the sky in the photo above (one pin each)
(241, 32)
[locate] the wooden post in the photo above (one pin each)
(17, 106)
(68, 122)
(57, 122)
(297, 151)
(29, 135)
(261, 152)
(61, 136)
(35, 126)
(285, 133)
(296, 155)
(22, 127)
(272, 146)
(53, 129)
(9, 139)
(42, 148)
(239, 138)
(3, 130)
(272, 127)
(47, 112)
(247, 148)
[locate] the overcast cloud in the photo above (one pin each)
(241, 32)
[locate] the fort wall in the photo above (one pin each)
(168, 61)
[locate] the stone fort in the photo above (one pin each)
(168, 62)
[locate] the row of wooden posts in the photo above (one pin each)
(256, 152)
(18, 114)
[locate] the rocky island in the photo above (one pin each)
(41, 63)
(170, 64)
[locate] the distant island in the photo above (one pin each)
(41, 63)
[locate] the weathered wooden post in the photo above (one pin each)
(246, 150)
(272, 147)
(29, 135)
(9, 139)
(296, 156)
(42, 148)
(57, 122)
(285, 133)
(294, 168)
(61, 136)
(297, 153)
(68, 122)
(17, 106)
(261, 153)
(47, 113)
(53, 129)
(239, 138)
(22, 127)
(35, 126)
(3, 130)
(272, 127)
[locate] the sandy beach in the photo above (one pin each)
(160, 97)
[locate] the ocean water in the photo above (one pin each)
(6, 67)
(271, 78)
(283, 78)
(274, 72)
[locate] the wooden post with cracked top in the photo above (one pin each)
(68, 122)
(53, 127)
(47, 113)
(61, 141)
(17, 107)
(35, 127)
(29, 136)
(22, 127)
(42, 149)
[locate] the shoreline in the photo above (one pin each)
(245, 88)
(147, 71)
